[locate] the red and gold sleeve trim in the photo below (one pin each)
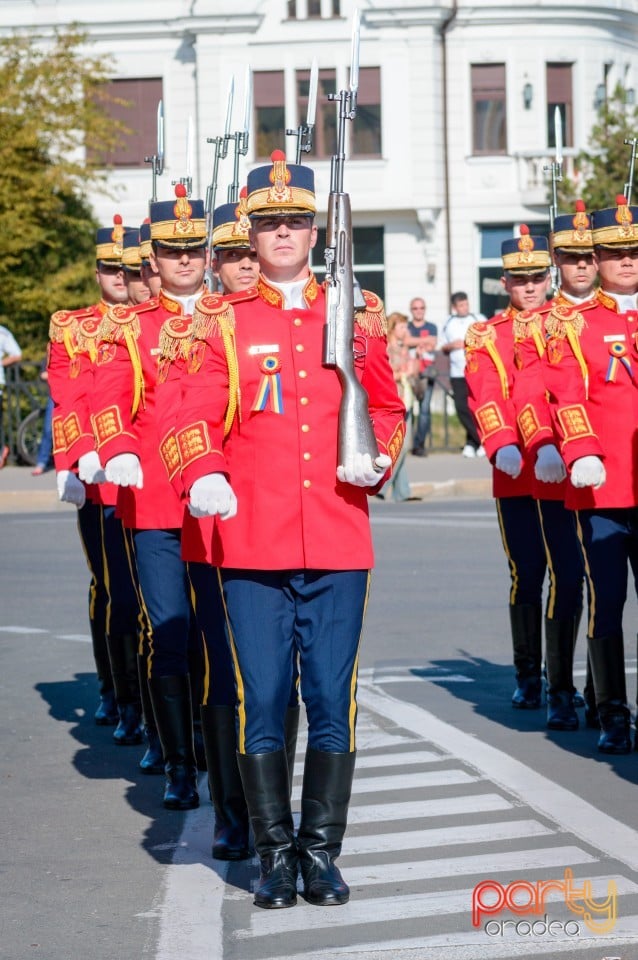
(490, 419)
(107, 424)
(193, 442)
(574, 423)
(169, 453)
(530, 426)
(59, 443)
(395, 444)
(72, 430)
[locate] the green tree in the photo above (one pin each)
(603, 168)
(51, 113)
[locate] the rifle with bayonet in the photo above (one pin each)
(240, 138)
(220, 152)
(356, 435)
(304, 132)
(629, 186)
(556, 170)
(157, 160)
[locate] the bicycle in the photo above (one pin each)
(29, 435)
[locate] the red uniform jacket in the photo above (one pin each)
(490, 372)
(71, 359)
(281, 452)
(592, 376)
(124, 417)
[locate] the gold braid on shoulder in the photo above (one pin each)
(372, 321)
(214, 317)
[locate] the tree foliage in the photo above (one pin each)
(603, 167)
(51, 112)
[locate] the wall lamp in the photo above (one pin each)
(528, 95)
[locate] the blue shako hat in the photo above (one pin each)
(616, 227)
(281, 188)
(525, 254)
(179, 223)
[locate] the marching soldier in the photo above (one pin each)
(536, 530)
(572, 248)
(113, 608)
(128, 438)
(293, 542)
(235, 267)
(591, 363)
(150, 277)
(136, 285)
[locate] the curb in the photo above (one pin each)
(472, 488)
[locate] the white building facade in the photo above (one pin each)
(454, 130)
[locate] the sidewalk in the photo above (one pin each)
(439, 475)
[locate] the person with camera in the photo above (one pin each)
(452, 344)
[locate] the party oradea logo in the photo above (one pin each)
(530, 900)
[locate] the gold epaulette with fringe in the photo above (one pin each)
(527, 323)
(479, 334)
(372, 321)
(175, 337)
(563, 318)
(119, 323)
(62, 321)
(86, 334)
(212, 316)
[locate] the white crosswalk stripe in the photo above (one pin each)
(409, 898)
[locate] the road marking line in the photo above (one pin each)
(417, 809)
(571, 812)
(444, 836)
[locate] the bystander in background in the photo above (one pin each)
(10, 353)
(452, 344)
(402, 364)
(421, 340)
(45, 450)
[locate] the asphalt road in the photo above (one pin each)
(453, 787)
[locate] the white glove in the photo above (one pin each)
(362, 472)
(509, 460)
(212, 495)
(588, 472)
(125, 470)
(549, 466)
(90, 470)
(70, 489)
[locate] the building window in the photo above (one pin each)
(270, 113)
(324, 141)
(366, 129)
(489, 133)
(313, 9)
(368, 257)
(132, 103)
(559, 94)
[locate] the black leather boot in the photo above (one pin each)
(589, 696)
(267, 792)
(325, 796)
(527, 641)
(559, 658)
(607, 656)
(153, 760)
(171, 698)
(123, 655)
(291, 729)
(230, 837)
(106, 714)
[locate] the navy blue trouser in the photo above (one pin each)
(317, 615)
(540, 536)
(92, 539)
(166, 598)
(524, 548)
(219, 677)
(609, 539)
(564, 560)
(123, 606)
